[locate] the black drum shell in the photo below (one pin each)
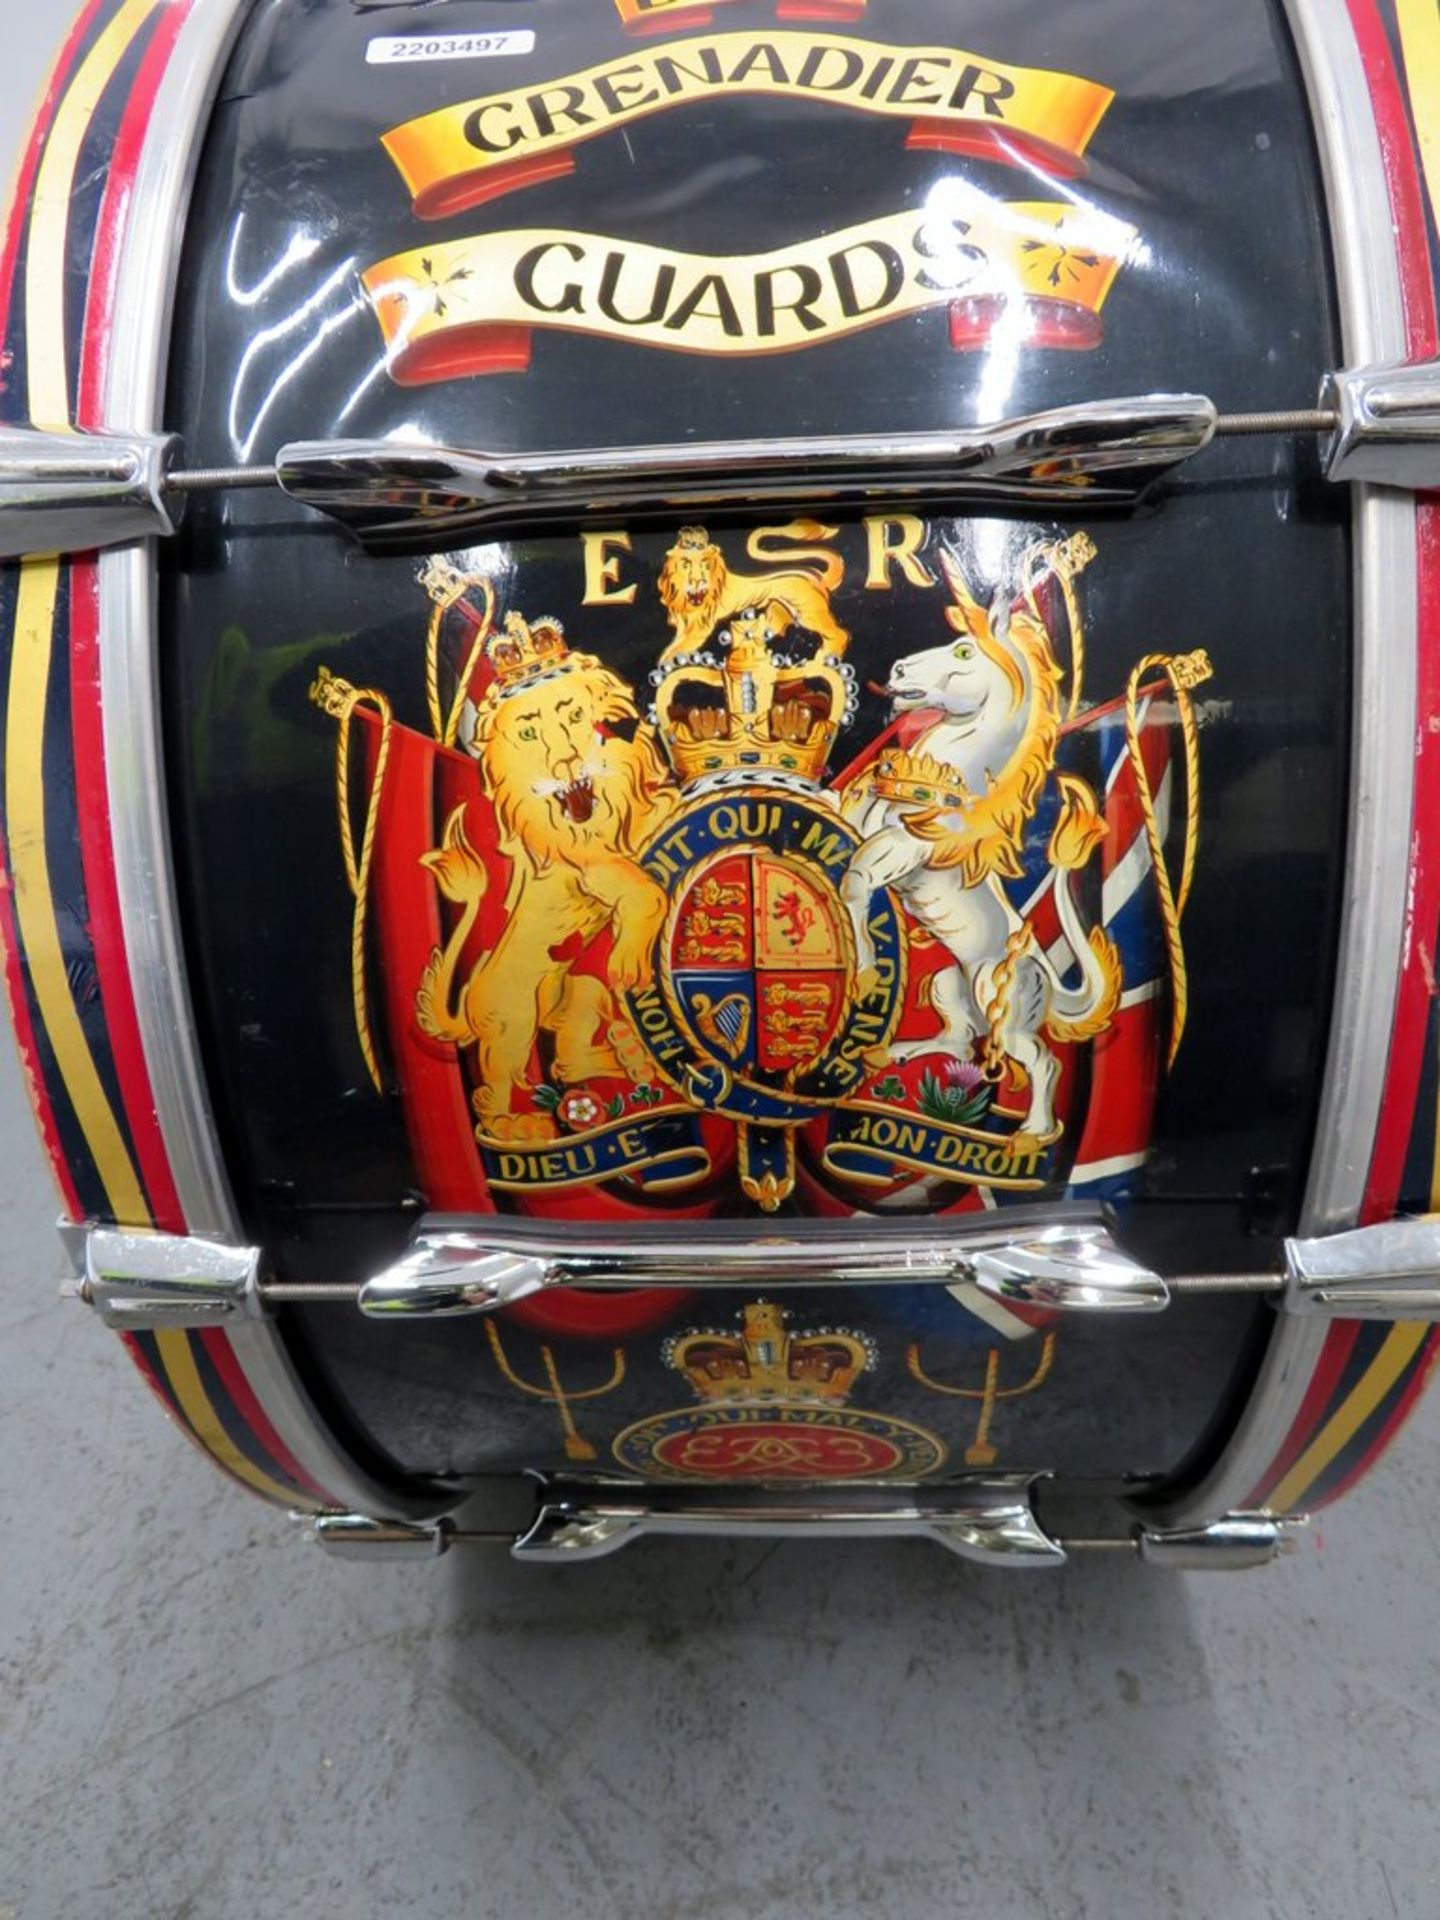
(1245, 556)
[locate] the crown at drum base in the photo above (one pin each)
(764, 1362)
(756, 705)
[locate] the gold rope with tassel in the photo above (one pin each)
(446, 586)
(1062, 561)
(1183, 672)
(342, 701)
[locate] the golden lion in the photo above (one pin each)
(699, 591)
(575, 798)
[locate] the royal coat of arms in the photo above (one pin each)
(695, 944)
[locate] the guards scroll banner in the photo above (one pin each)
(466, 306)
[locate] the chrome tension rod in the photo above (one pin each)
(68, 492)
(457, 1265)
(992, 1521)
(325, 1293)
(1228, 426)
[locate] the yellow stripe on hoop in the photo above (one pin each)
(44, 954)
(1384, 1373)
(1420, 39)
(178, 1360)
(45, 273)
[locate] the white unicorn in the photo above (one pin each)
(943, 824)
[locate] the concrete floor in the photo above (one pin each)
(199, 1717)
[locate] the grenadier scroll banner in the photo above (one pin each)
(464, 154)
(466, 307)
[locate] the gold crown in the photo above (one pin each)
(918, 779)
(443, 581)
(525, 651)
(755, 708)
(764, 1362)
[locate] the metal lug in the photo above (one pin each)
(389, 495)
(356, 1536)
(74, 492)
(74, 1238)
(137, 1281)
(991, 1521)
(1075, 1269)
(449, 1273)
(1388, 428)
(1385, 1272)
(1233, 1545)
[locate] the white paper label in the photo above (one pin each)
(404, 49)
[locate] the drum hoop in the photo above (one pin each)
(1386, 637)
(144, 305)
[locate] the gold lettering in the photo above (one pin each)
(602, 570)
(894, 540)
(827, 846)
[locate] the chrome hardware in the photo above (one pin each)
(1233, 1545)
(449, 1272)
(356, 1536)
(148, 1280)
(74, 1236)
(1385, 1272)
(467, 1266)
(992, 1521)
(1075, 1269)
(72, 492)
(389, 494)
(1387, 425)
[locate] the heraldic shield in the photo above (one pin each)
(729, 928)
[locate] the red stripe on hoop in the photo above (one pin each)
(87, 727)
(114, 212)
(1402, 175)
(1407, 1046)
(222, 1355)
(1339, 1343)
(1412, 1011)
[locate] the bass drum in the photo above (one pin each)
(832, 931)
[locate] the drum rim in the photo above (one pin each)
(1385, 644)
(146, 280)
